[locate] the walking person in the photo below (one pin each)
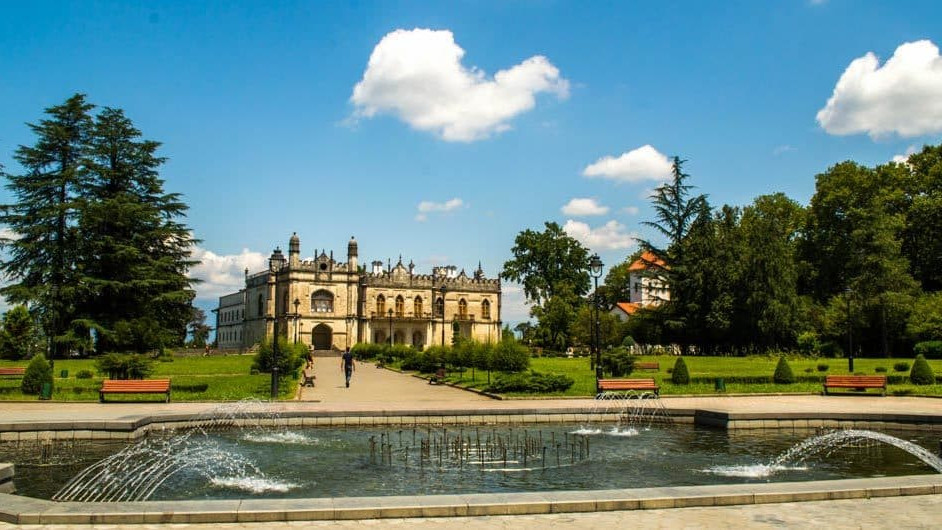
(346, 364)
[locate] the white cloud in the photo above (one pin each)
(513, 303)
(782, 149)
(224, 274)
(631, 210)
(643, 163)
(426, 207)
(417, 75)
(904, 96)
(610, 236)
(904, 158)
(584, 207)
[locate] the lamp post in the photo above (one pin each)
(595, 269)
(297, 320)
(274, 355)
(850, 333)
(390, 313)
(443, 314)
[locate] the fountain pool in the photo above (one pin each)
(328, 462)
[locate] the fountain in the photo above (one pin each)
(826, 444)
(640, 411)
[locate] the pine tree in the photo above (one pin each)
(42, 254)
(135, 252)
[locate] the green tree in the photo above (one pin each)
(38, 372)
(546, 262)
(922, 240)
(617, 286)
(18, 337)
(611, 330)
(925, 321)
(198, 329)
(42, 256)
(135, 252)
(555, 317)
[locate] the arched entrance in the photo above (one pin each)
(418, 340)
(321, 337)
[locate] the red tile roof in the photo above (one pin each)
(646, 261)
(628, 307)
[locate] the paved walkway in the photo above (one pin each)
(896, 512)
(377, 387)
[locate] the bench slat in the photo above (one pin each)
(628, 384)
(12, 371)
(855, 381)
(143, 386)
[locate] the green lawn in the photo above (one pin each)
(217, 378)
(703, 371)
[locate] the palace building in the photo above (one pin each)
(329, 304)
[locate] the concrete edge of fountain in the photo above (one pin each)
(131, 427)
(25, 510)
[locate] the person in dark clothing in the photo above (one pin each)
(346, 364)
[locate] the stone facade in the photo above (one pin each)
(229, 316)
(330, 304)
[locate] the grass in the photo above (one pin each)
(703, 370)
(217, 378)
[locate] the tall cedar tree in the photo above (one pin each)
(675, 209)
(135, 252)
(42, 254)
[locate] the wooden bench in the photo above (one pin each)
(309, 377)
(623, 385)
(15, 371)
(134, 386)
(857, 382)
(656, 366)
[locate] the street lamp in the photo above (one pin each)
(595, 269)
(390, 313)
(274, 355)
(442, 288)
(297, 319)
(850, 333)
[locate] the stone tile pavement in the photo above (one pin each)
(924, 511)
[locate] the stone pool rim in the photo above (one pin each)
(25, 510)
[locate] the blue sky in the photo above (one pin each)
(254, 103)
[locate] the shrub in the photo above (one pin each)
(823, 367)
(902, 366)
(921, 373)
(38, 371)
(880, 369)
(618, 362)
(680, 375)
(783, 373)
(532, 382)
(510, 356)
(84, 374)
(809, 370)
(830, 349)
(124, 366)
(808, 343)
(290, 358)
(930, 349)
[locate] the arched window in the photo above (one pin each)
(439, 307)
(380, 305)
(462, 308)
(261, 310)
(417, 306)
(400, 306)
(284, 303)
(322, 302)
(486, 309)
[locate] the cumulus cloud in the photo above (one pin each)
(643, 163)
(426, 207)
(513, 303)
(224, 274)
(610, 236)
(417, 75)
(584, 207)
(904, 158)
(902, 96)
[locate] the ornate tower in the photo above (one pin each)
(294, 251)
(352, 255)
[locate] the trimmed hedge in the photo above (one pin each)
(931, 349)
(530, 382)
(921, 373)
(783, 373)
(680, 375)
(901, 367)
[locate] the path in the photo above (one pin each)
(896, 512)
(379, 387)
